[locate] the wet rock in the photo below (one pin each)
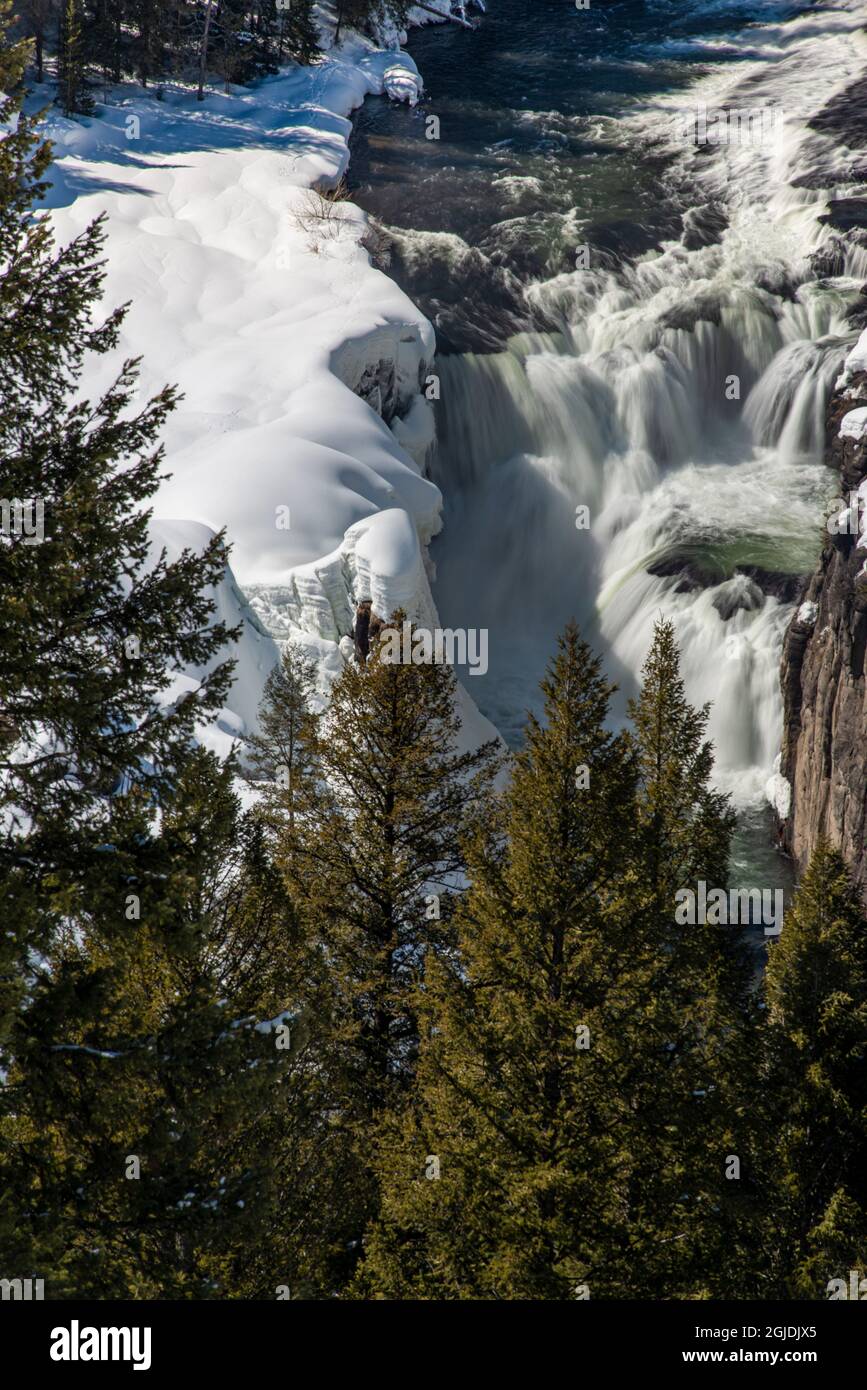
(844, 118)
(691, 575)
(738, 594)
(778, 280)
(377, 385)
(856, 314)
(825, 176)
(688, 314)
(775, 583)
(829, 260)
(704, 225)
(845, 213)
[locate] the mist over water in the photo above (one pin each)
(604, 379)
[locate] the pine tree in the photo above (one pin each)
(688, 825)
(689, 1113)
(101, 33)
(297, 32)
(815, 1047)
(573, 1093)
(108, 28)
(151, 21)
(280, 753)
(373, 864)
(263, 25)
(73, 90)
(93, 623)
(368, 15)
(13, 60)
(40, 17)
(95, 758)
(152, 1030)
(505, 1179)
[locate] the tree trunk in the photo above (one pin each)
(118, 42)
(203, 59)
(454, 18)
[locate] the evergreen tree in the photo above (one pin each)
(297, 32)
(373, 863)
(578, 1116)
(96, 768)
(151, 21)
(108, 30)
(815, 1130)
(73, 88)
(368, 15)
(263, 26)
(280, 753)
(155, 39)
(150, 1028)
(14, 55)
(41, 16)
(93, 623)
(689, 1109)
(529, 1032)
(17, 144)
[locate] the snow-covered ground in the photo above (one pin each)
(259, 301)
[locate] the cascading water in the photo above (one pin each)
(703, 505)
(676, 393)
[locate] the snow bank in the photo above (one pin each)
(402, 84)
(384, 555)
(254, 650)
(854, 363)
(253, 293)
(779, 792)
(379, 558)
(854, 424)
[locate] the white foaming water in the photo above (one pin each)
(632, 411)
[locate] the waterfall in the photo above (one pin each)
(682, 402)
(675, 396)
(786, 407)
(699, 508)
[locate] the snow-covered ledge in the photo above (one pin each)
(304, 426)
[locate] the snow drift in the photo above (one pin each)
(304, 426)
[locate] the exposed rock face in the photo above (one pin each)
(386, 367)
(692, 575)
(824, 757)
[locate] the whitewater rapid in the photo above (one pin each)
(680, 399)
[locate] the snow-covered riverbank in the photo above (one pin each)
(258, 299)
(304, 367)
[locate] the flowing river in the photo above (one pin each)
(633, 322)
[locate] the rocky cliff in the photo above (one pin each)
(824, 755)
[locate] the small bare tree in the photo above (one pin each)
(322, 215)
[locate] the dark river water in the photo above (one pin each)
(530, 161)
